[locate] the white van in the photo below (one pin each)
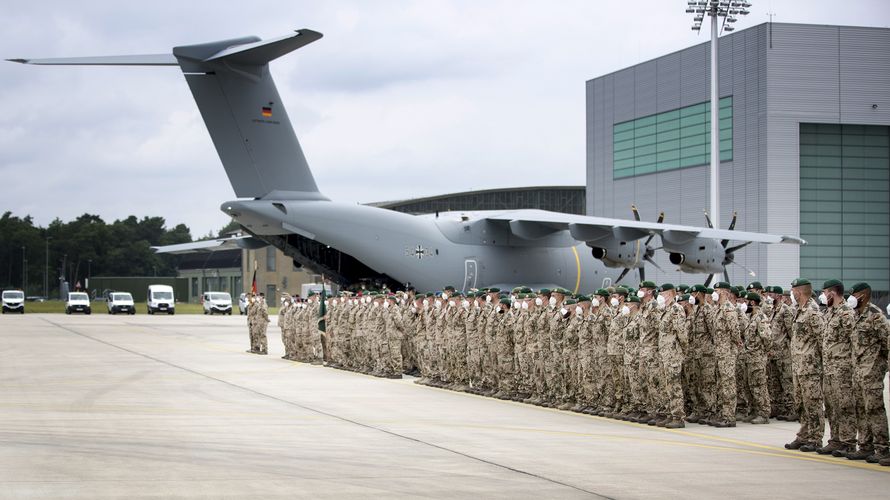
(217, 302)
(78, 302)
(120, 302)
(13, 301)
(160, 299)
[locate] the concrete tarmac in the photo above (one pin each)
(171, 406)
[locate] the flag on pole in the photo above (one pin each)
(253, 283)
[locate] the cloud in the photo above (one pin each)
(399, 99)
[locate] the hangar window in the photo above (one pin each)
(670, 140)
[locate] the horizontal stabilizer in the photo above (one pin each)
(137, 60)
(263, 51)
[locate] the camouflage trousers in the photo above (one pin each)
(726, 387)
(524, 371)
(808, 387)
(757, 394)
(704, 384)
(871, 417)
(781, 386)
(837, 387)
(259, 342)
(617, 384)
(651, 376)
(672, 387)
(634, 385)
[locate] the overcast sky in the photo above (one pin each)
(399, 99)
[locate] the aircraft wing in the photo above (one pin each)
(214, 245)
(533, 224)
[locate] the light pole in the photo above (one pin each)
(716, 9)
(89, 273)
(24, 272)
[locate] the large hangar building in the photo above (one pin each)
(804, 148)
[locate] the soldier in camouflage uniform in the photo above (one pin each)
(673, 340)
(869, 340)
(837, 369)
(703, 373)
(756, 339)
(261, 323)
(615, 351)
(555, 368)
(393, 333)
(587, 397)
(600, 370)
(504, 349)
(726, 344)
(521, 336)
(649, 367)
(806, 359)
(635, 404)
(570, 355)
(782, 395)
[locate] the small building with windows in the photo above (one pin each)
(804, 148)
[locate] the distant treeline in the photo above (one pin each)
(85, 246)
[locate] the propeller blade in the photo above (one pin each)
(642, 274)
(659, 221)
(708, 281)
(726, 275)
(636, 212)
(735, 217)
(731, 250)
(708, 219)
(652, 261)
(623, 274)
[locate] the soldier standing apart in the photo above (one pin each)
(806, 365)
(837, 359)
(756, 339)
(869, 340)
(251, 321)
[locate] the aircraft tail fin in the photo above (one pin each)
(241, 108)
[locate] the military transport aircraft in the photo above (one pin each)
(279, 203)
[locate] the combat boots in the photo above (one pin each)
(831, 448)
(674, 423)
(758, 420)
(794, 445)
(861, 454)
(693, 419)
(877, 456)
(810, 447)
(885, 461)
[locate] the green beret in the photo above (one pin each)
(799, 282)
(778, 290)
(858, 287)
(506, 301)
(583, 298)
(311, 294)
(493, 290)
(516, 289)
(570, 302)
(602, 292)
(449, 287)
(633, 298)
(562, 291)
(753, 296)
(699, 289)
(755, 285)
(648, 284)
(471, 295)
(741, 294)
(683, 298)
(621, 291)
(667, 286)
(503, 295)
(458, 294)
(631, 290)
(544, 291)
(722, 284)
(709, 290)
(681, 287)
(526, 289)
(832, 284)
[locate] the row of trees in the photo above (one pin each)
(86, 246)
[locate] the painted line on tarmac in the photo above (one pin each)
(772, 450)
(331, 415)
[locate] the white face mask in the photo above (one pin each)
(625, 310)
(445, 295)
(386, 305)
(374, 304)
(614, 302)
(661, 301)
(465, 304)
(823, 299)
(488, 298)
(769, 300)
(595, 303)
(579, 311)
(450, 303)
(413, 310)
(478, 305)
(743, 308)
(692, 300)
(552, 302)
(438, 304)
(793, 299)
(539, 301)
(525, 305)
(715, 296)
(888, 309)
(563, 311)
(641, 294)
(853, 303)
(516, 305)
(426, 303)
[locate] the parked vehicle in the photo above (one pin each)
(13, 301)
(161, 299)
(78, 302)
(217, 302)
(242, 304)
(120, 302)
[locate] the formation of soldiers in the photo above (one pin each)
(661, 355)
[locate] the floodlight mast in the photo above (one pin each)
(727, 9)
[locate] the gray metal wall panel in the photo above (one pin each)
(645, 84)
(669, 76)
(864, 75)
